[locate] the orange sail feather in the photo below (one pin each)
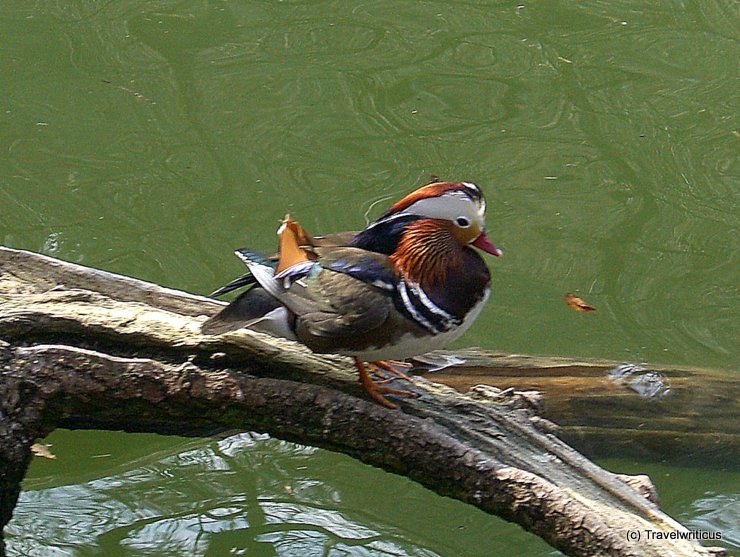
(293, 243)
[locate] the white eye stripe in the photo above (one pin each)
(472, 187)
(448, 206)
(388, 219)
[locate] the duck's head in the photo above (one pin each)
(454, 207)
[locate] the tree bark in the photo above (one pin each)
(83, 348)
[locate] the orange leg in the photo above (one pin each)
(375, 390)
(391, 365)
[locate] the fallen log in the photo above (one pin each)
(611, 409)
(83, 348)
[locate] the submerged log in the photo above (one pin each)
(82, 348)
(611, 409)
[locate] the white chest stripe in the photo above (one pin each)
(408, 304)
(449, 320)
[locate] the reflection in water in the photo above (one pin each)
(717, 513)
(248, 494)
(251, 495)
(645, 383)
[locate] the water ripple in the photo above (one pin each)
(235, 495)
(718, 513)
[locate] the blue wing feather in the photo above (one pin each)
(367, 269)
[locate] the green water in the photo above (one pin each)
(153, 138)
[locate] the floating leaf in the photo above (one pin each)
(41, 450)
(578, 304)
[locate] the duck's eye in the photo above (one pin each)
(463, 222)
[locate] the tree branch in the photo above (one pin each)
(83, 348)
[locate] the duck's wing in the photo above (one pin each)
(255, 309)
(343, 308)
(323, 286)
(245, 280)
(336, 240)
(296, 245)
(341, 294)
(250, 306)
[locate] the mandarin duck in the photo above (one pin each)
(407, 284)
